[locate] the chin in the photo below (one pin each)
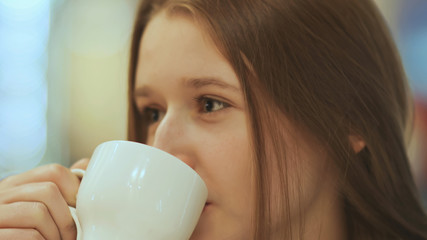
(213, 225)
(205, 229)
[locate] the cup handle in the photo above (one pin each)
(76, 221)
(79, 173)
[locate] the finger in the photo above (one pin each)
(29, 215)
(82, 164)
(48, 194)
(20, 233)
(61, 176)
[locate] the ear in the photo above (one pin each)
(357, 143)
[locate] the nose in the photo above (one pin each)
(172, 136)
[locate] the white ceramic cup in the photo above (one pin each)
(134, 191)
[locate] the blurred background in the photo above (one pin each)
(63, 73)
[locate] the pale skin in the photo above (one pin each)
(198, 113)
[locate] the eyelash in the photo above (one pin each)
(202, 101)
(153, 113)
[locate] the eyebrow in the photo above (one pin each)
(205, 82)
(196, 83)
(144, 91)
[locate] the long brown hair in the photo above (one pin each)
(332, 68)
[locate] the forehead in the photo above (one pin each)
(166, 33)
(163, 27)
(175, 46)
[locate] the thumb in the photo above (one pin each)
(82, 164)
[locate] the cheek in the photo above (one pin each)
(228, 157)
(226, 144)
(227, 161)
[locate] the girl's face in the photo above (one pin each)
(197, 112)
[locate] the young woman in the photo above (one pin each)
(293, 112)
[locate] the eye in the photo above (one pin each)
(153, 115)
(209, 105)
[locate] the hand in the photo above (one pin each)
(34, 204)
(82, 164)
